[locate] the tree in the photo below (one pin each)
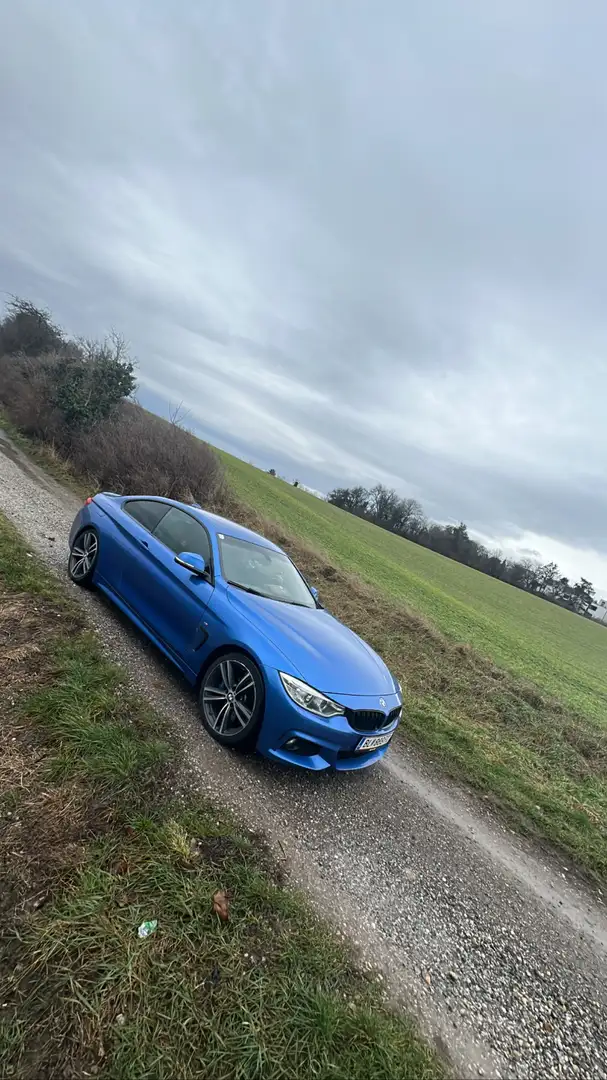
(583, 594)
(89, 386)
(355, 500)
(28, 330)
(494, 564)
(563, 591)
(272, 472)
(382, 503)
(458, 542)
(409, 517)
(547, 577)
(296, 483)
(529, 569)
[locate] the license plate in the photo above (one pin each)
(373, 741)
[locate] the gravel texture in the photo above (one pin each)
(496, 948)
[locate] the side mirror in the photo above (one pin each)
(192, 562)
(314, 592)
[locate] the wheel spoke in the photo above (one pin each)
(242, 713)
(245, 683)
(226, 673)
(221, 718)
(78, 551)
(214, 693)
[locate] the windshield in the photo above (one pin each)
(262, 571)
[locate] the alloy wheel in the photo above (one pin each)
(229, 697)
(83, 555)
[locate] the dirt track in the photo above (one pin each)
(497, 949)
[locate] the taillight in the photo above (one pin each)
(87, 502)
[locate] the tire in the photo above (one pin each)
(84, 553)
(232, 721)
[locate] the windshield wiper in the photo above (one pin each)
(248, 588)
(266, 596)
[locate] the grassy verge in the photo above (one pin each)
(93, 842)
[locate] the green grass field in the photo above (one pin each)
(560, 652)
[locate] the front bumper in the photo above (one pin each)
(322, 744)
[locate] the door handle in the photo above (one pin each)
(144, 543)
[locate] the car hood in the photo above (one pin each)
(326, 653)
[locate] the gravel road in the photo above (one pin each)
(497, 949)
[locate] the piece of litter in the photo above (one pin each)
(148, 927)
(221, 905)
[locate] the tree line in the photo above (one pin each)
(405, 517)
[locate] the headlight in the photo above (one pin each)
(307, 698)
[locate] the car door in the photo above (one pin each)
(125, 539)
(167, 597)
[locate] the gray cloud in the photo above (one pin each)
(357, 243)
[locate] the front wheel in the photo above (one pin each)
(231, 700)
(83, 557)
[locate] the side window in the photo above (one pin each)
(146, 513)
(180, 532)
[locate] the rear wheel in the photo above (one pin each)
(83, 557)
(231, 700)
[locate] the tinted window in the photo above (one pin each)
(146, 513)
(180, 532)
(263, 571)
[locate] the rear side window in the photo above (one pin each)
(180, 532)
(146, 513)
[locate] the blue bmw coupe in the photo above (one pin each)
(273, 670)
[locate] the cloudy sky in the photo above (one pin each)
(360, 241)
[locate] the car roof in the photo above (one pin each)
(214, 522)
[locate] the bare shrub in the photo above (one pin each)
(138, 452)
(27, 394)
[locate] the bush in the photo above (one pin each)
(28, 330)
(139, 453)
(27, 388)
(90, 384)
(74, 398)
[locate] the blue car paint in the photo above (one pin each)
(328, 655)
(190, 618)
